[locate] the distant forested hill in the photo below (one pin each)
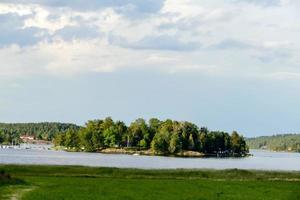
(286, 142)
(43, 130)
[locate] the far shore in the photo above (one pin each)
(279, 151)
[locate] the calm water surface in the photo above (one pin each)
(260, 160)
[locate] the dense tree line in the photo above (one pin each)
(11, 132)
(286, 142)
(165, 137)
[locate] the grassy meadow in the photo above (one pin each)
(70, 182)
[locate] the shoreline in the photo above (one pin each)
(135, 152)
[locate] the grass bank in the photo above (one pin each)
(70, 182)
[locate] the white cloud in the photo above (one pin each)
(58, 58)
(61, 58)
(42, 19)
(19, 9)
(277, 44)
(175, 39)
(17, 62)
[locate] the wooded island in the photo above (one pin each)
(157, 137)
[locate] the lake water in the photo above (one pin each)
(264, 160)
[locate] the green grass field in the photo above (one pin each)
(62, 182)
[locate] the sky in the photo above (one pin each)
(224, 64)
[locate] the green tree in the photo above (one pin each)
(107, 123)
(204, 140)
(138, 131)
(121, 129)
(72, 139)
(190, 142)
(238, 144)
(175, 144)
(2, 136)
(227, 142)
(59, 139)
(154, 125)
(86, 141)
(94, 132)
(110, 137)
(160, 142)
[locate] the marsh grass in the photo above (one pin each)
(73, 182)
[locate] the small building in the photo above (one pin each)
(26, 138)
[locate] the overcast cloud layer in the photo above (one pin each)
(250, 43)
